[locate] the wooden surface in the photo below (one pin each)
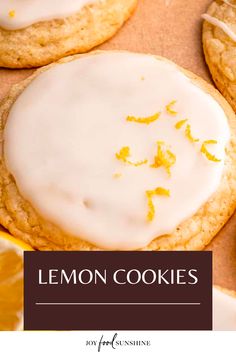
(173, 32)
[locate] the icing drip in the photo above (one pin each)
(222, 25)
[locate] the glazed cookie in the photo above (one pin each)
(219, 43)
(32, 34)
(224, 309)
(119, 151)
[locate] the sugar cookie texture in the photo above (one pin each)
(219, 43)
(82, 174)
(34, 34)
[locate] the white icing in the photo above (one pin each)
(222, 25)
(28, 12)
(64, 130)
(229, 3)
(224, 311)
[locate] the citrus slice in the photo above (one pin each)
(11, 282)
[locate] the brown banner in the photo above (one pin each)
(118, 290)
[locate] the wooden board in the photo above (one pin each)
(173, 32)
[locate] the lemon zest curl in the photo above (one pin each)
(124, 154)
(12, 13)
(180, 123)
(188, 134)
(117, 175)
(164, 157)
(204, 150)
(169, 108)
(152, 193)
(145, 120)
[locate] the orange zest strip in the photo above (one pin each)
(169, 108)
(188, 134)
(164, 157)
(204, 150)
(180, 123)
(146, 120)
(124, 154)
(150, 194)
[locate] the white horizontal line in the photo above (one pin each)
(118, 303)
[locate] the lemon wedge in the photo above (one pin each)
(11, 282)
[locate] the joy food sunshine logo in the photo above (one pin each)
(115, 342)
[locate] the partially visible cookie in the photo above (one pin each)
(224, 309)
(25, 44)
(219, 43)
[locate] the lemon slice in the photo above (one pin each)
(11, 282)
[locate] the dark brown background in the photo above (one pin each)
(173, 32)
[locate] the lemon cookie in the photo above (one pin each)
(34, 34)
(219, 43)
(119, 151)
(224, 309)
